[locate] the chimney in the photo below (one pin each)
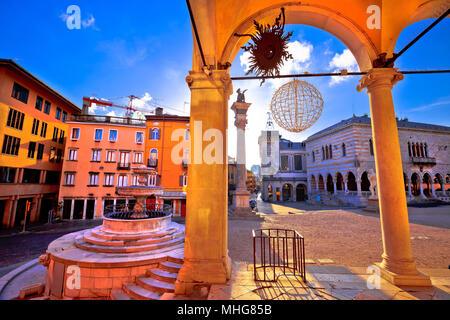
(159, 111)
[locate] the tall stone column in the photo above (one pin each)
(241, 196)
(398, 265)
(206, 259)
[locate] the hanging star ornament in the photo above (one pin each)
(269, 48)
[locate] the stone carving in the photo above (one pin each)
(373, 184)
(44, 260)
(241, 95)
(388, 76)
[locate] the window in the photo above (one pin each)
(269, 149)
(154, 133)
(110, 156)
(93, 178)
(55, 134)
(409, 149)
(298, 161)
(344, 150)
(122, 181)
(15, 119)
(323, 153)
(59, 155)
(284, 163)
(109, 179)
(69, 178)
(52, 154)
(11, 145)
(39, 103)
(40, 152)
(58, 113)
(154, 154)
(96, 155)
(64, 116)
(75, 134)
(52, 178)
(152, 179)
(139, 137)
(124, 158)
(98, 135)
(138, 157)
(31, 149)
(73, 155)
(35, 129)
(7, 175)
(44, 130)
(134, 180)
(112, 135)
(47, 107)
(31, 176)
(331, 151)
(61, 137)
(371, 147)
(20, 93)
(313, 157)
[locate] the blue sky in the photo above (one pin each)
(145, 48)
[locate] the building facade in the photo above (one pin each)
(340, 162)
(33, 133)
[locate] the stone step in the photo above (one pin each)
(162, 275)
(155, 285)
(81, 244)
(98, 233)
(87, 237)
(176, 259)
(140, 293)
(119, 294)
(170, 266)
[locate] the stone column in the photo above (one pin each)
(241, 196)
(433, 192)
(358, 187)
(84, 209)
(72, 209)
(398, 265)
(206, 259)
(345, 187)
(422, 195)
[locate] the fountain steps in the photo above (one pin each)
(168, 242)
(102, 234)
(91, 239)
(153, 285)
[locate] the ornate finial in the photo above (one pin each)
(269, 124)
(241, 95)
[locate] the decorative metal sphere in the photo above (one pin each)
(296, 106)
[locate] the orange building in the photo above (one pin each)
(167, 151)
(33, 133)
(99, 155)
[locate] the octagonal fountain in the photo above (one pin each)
(135, 254)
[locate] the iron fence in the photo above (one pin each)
(278, 250)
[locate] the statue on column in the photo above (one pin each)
(241, 95)
(373, 183)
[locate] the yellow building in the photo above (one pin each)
(32, 139)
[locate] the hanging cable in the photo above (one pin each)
(196, 33)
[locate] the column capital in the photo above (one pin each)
(218, 79)
(379, 77)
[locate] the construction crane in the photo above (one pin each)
(131, 109)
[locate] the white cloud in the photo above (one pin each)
(124, 53)
(345, 60)
(431, 106)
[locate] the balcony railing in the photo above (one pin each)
(107, 119)
(123, 166)
(152, 163)
(423, 161)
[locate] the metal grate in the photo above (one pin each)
(278, 252)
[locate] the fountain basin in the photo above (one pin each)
(135, 226)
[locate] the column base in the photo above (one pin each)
(198, 274)
(418, 280)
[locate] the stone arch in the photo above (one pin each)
(326, 19)
(415, 184)
(438, 182)
(301, 192)
(321, 183)
(340, 184)
(426, 183)
(365, 183)
(286, 193)
(330, 183)
(351, 182)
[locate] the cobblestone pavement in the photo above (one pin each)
(17, 248)
(348, 237)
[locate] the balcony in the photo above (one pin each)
(107, 119)
(152, 163)
(423, 161)
(123, 166)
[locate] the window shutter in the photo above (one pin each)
(158, 180)
(181, 180)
